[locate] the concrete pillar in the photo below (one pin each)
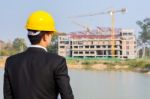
(103, 53)
(118, 53)
(107, 51)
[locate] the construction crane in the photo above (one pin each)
(112, 13)
(81, 25)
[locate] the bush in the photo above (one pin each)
(138, 63)
(109, 63)
(86, 63)
(147, 65)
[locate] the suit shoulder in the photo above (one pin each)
(12, 59)
(14, 56)
(56, 56)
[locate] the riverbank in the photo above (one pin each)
(136, 65)
(2, 62)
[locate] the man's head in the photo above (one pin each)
(40, 26)
(40, 37)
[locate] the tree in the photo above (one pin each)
(7, 49)
(53, 47)
(19, 44)
(144, 34)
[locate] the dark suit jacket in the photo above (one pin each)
(36, 74)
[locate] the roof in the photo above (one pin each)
(93, 36)
(99, 32)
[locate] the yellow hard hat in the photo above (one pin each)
(41, 21)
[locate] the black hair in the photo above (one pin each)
(36, 38)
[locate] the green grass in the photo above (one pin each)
(131, 63)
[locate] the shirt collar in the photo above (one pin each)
(38, 46)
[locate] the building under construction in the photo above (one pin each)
(98, 43)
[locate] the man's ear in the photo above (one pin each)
(44, 37)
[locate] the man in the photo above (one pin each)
(35, 73)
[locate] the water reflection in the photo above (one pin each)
(105, 85)
(110, 85)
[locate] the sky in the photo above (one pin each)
(14, 14)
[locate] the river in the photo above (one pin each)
(105, 84)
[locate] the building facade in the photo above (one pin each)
(98, 43)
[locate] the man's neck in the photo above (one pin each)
(42, 44)
(39, 46)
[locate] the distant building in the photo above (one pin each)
(98, 43)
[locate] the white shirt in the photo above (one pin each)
(38, 46)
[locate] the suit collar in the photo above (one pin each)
(35, 49)
(38, 46)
